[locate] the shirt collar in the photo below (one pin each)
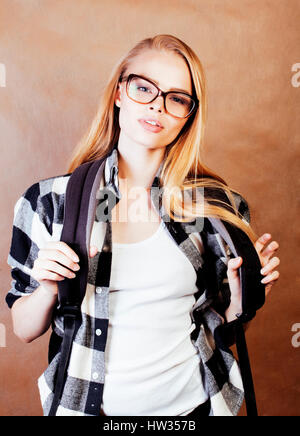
(111, 172)
(111, 180)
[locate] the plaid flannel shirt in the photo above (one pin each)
(38, 218)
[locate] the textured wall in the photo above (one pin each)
(55, 57)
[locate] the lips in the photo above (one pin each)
(151, 124)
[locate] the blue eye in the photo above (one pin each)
(179, 100)
(143, 89)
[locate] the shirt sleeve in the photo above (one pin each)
(32, 229)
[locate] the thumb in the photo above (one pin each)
(93, 250)
(233, 265)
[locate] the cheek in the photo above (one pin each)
(126, 115)
(176, 129)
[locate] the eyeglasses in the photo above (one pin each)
(144, 91)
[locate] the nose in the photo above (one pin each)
(157, 104)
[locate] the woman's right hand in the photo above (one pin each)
(54, 263)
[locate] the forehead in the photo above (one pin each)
(169, 70)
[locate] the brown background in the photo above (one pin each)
(58, 56)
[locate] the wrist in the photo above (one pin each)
(46, 293)
(232, 310)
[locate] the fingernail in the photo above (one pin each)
(75, 258)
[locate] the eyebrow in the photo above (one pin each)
(157, 84)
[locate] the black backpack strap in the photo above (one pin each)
(75, 233)
(245, 367)
(253, 297)
(70, 317)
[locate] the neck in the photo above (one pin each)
(137, 163)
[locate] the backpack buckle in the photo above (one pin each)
(71, 310)
(245, 317)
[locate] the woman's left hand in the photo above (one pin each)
(268, 269)
(268, 264)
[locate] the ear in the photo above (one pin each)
(118, 96)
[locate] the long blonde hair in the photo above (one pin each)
(183, 167)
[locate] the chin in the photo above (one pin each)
(147, 142)
(151, 145)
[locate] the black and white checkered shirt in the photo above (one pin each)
(38, 218)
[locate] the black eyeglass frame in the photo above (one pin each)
(160, 93)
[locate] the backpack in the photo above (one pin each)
(71, 292)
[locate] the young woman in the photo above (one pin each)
(139, 330)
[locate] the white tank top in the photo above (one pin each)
(152, 367)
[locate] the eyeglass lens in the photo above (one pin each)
(142, 91)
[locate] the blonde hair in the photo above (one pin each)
(183, 167)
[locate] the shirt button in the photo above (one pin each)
(95, 375)
(105, 248)
(98, 332)
(98, 290)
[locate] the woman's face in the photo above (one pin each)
(169, 71)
